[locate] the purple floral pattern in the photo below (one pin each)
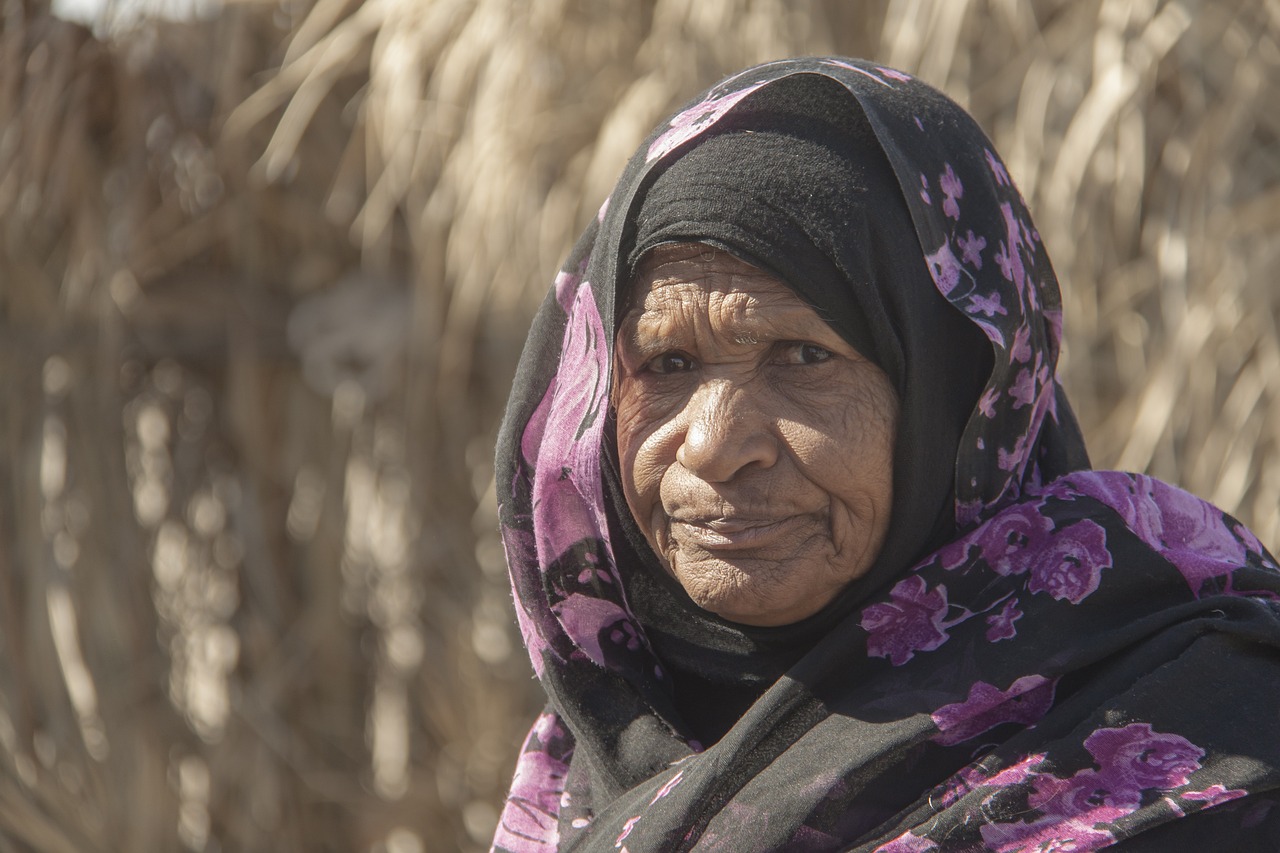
(1025, 701)
(1071, 567)
(1009, 539)
(1074, 812)
(943, 650)
(1191, 534)
(1002, 623)
(907, 843)
(568, 472)
(944, 268)
(971, 249)
(529, 821)
(912, 621)
(585, 619)
(952, 192)
(695, 120)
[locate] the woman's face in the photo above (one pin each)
(756, 445)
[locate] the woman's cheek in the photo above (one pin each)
(655, 457)
(645, 453)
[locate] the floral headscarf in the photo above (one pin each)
(1090, 659)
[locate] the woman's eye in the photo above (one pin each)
(669, 362)
(802, 353)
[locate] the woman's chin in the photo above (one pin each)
(748, 592)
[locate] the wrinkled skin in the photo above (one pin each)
(756, 444)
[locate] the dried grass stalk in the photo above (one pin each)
(263, 284)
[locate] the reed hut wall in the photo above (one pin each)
(263, 281)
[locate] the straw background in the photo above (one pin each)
(263, 281)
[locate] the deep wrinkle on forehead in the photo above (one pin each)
(744, 307)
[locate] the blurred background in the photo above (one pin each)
(266, 269)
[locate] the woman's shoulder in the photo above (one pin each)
(1188, 531)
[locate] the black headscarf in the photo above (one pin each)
(792, 186)
(894, 716)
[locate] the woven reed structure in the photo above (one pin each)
(263, 281)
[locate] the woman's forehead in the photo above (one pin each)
(729, 298)
(691, 271)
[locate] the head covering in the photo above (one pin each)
(1014, 669)
(790, 185)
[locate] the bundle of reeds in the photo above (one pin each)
(263, 282)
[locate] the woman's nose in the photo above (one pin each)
(726, 432)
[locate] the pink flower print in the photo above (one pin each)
(1129, 496)
(566, 484)
(1072, 567)
(626, 830)
(624, 634)
(1009, 539)
(1011, 267)
(1072, 810)
(534, 640)
(1001, 624)
(1023, 389)
(911, 622)
(954, 554)
(1004, 261)
(1087, 793)
(585, 618)
(1189, 533)
(695, 120)
(1033, 296)
(1014, 774)
(989, 329)
(1020, 352)
(919, 124)
(857, 70)
(668, 787)
(944, 268)
(988, 305)
(907, 843)
(1029, 234)
(1046, 836)
(1026, 701)
(1010, 460)
(997, 169)
(591, 575)
(1194, 535)
(894, 75)
(566, 287)
(953, 190)
(971, 247)
(604, 208)
(952, 790)
(924, 189)
(1214, 794)
(529, 819)
(531, 438)
(1143, 758)
(987, 402)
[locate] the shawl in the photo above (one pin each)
(1046, 658)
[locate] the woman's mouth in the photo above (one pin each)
(733, 533)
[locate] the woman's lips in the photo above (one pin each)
(733, 534)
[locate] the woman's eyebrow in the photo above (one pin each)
(656, 330)
(633, 340)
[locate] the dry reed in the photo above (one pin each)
(263, 282)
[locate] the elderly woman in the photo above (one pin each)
(805, 546)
